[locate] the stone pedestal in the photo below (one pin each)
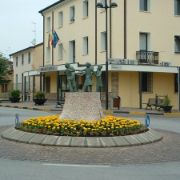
(82, 105)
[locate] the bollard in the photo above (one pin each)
(147, 121)
(17, 123)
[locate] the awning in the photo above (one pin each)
(143, 68)
(31, 73)
(111, 67)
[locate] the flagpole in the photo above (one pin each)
(52, 35)
(34, 31)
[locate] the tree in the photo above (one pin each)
(3, 67)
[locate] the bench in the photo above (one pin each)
(154, 102)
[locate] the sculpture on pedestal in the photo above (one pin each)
(98, 75)
(71, 81)
(88, 72)
(83, 105)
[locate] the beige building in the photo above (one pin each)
(7, 83)
(143, 47)
(26, 63)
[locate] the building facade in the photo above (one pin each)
(7, 83)
(26, 63)
(143, 47)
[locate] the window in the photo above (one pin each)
(103, 41)
(16, 61)
(177, 44)
(48, 24)
(22, 59)
(16, 81)
(29, 57)
(72, 51)
(147, 79)
(85, 8)
(144, 41)
(4, 88)
(177, 7)
(72, 14)
(176, 83)
(60, 19)
(85, 45)
(144, 5)
(48, 54)
(60, 51)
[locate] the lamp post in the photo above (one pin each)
(106, 6)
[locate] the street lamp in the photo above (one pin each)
(106, 6)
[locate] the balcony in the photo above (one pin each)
(147, 57)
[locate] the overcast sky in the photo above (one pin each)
(17, 23)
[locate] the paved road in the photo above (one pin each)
(7, 115)
(164, 123)
(155, 161)
(43, 171)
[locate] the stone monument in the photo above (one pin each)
(71, 81)
(83, 105)
(99, 83)
(88, 72)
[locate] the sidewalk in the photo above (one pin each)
(51, 106)
(48, 106)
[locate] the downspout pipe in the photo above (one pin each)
(179, 87)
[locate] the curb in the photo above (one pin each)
(148, 137)
(137, 113)
(134, 113)
(140, 113)
(26, 107)
(175, 114)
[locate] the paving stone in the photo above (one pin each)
(8, 132)
(50, 140)
(37, 139)
(149, 136)
(107, 142)
(78, 141)
(26, 137)
(14, 135)
(121, 141)
(17, 135)
(142, 138)
(153, 136)
(155, 133)
(63, 141)
(93, 142)
(132, 140)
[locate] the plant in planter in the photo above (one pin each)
(15, 96)
(167, 107)
(39, 98)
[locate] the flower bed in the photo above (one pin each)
(108, 126)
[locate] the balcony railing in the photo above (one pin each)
(147, 57)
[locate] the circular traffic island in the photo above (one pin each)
(109, 131)
(108, 126)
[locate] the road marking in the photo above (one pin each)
(77, 165)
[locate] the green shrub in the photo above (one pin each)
(167, 101)
(39, 95)
(15, 94)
